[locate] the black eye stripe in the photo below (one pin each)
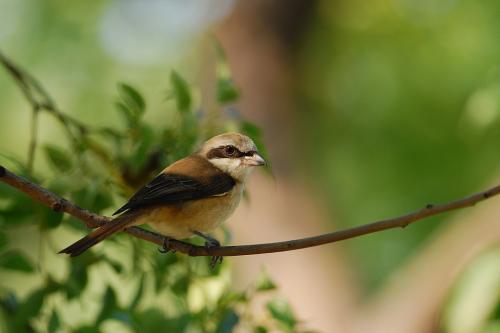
(221, 152)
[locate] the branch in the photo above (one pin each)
(93, 220)
(40, 100)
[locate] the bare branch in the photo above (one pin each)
(93, 220)
(40, 100)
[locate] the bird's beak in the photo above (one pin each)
(255, 160)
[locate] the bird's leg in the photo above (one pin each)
(210, 242)
(166, 246)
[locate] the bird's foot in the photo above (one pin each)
(215, 260)
(166, 246)
(211, 242)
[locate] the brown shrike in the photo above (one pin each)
(192, 196)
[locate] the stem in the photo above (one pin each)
(33, 139)
(93, 220)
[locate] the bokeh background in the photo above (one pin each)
(368, 110)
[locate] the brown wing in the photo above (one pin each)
(168, 188)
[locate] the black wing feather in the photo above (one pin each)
(172, 188)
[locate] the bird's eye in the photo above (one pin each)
(230, 150)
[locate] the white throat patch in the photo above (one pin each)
(232, 166)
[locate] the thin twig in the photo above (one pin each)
(93, 220)
(39, 98)
(33, 139)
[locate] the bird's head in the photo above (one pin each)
(233, 153)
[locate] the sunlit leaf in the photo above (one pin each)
(281, 311)
(15, 260)
(58, 158)
(181, 92)
(231, 297)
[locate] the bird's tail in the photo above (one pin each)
(96, 236)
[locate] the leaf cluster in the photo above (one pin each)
(96, 168)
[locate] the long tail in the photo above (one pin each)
(96, 236)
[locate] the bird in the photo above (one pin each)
(190, 197)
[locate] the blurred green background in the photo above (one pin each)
(388, 106)
(401, 109)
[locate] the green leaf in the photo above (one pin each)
(50, 218)
(150, 320)
(17, 163)
(58, 158)
(264, 282)
(281, 311)
(227, 91)
(30, 307)
(142, 148)
(260, 329)
(86, 329)
(138, 294)
(109, 305)
(162, 264)
(127, 115)
(132, 98)
(3, 240)
(181, 285)
(51, 286)
(95, 197)
(124, 317)
(9, 302)
(54, 322)
(78, 276)
(229, 321)
(17, 210)
(231, 298)
(117, 267)
(181, 92)
(15, 260)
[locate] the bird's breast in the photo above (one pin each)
(203, 215)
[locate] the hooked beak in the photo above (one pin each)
(255, 160)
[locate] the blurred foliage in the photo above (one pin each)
(95, 168)
(403, 109)
(474, 304)
(400, 107)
